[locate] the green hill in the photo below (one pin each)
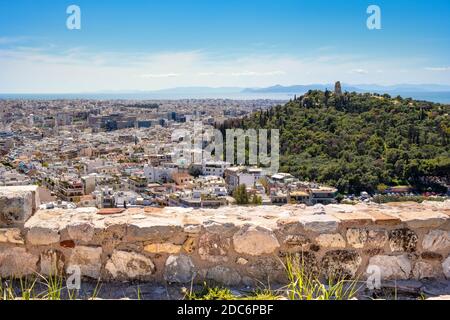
(360, 142)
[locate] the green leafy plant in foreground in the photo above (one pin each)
(221, 293)
(302, 285)
(305, 285)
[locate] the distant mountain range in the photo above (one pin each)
(296, 89)
(426, 92)
(357, 88)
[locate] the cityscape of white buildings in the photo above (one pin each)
(116, 154)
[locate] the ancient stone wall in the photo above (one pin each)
(231, 245)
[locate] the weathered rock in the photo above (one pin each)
(341, 264)
(427, 255)
(51, 263)
(150, 230)
(424, 270)
(446, 267)
(11, 235)
(361, 238)
(266, 269)
(297, 240)
(193, 229)
(255, 240)
(402, 240)
(384, 219)
(43, 235)
(16, 261)
(332, 240)
(357, 238)
(377, 238)
(17, 204)
(88, 259)
(81, 231)
(436, 240)
(166, 247)
(213, 247)
(223, 275)
(319, 223)
(114, 234)
(189, 245)
(223, 228)
(417, 218)
(353, 219)
(391, 267)
(244, 239)
(129, 265)
(179, 269)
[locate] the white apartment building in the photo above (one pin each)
(214, 168)
(160, 174)
(236, 176)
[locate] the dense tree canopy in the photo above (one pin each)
(359, 142)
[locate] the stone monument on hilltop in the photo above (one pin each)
(337, 88)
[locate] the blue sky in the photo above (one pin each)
(148, 45)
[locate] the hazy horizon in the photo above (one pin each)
(149, 46)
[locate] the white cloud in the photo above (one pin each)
(359, 71)
(11, 40)
(52, 69)
(257, 74)
(439, 69)
(243, 74)
(161, 75)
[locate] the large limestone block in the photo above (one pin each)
(320, 223)
(16, 261)
(45, 234)
(153, 229)
(179, 269)
(356, 218)
(436, 240)
(88, 259)
(255, 241)
(390, 267)
(81, 231)
(420, 218)
(17, 204)
(384, 219)
(129, 265)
